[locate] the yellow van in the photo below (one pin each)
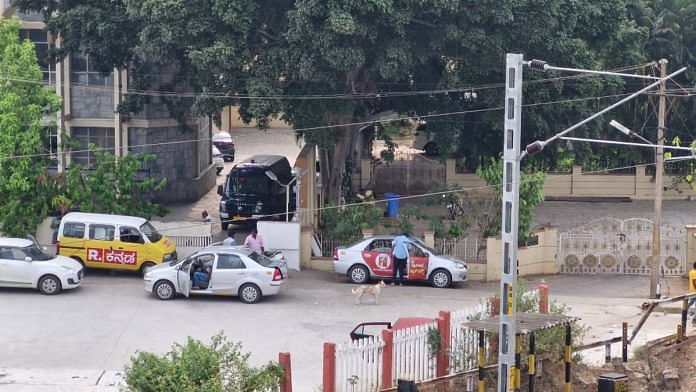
(113, 242)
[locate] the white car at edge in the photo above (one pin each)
(24, 264)
(372, 258)
(234, 271)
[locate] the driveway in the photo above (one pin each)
(100, 325)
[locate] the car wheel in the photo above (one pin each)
(49, 285)
(218, 170)
(359, 274)
(250, 293)
(431, 149)
(225, 225)
(164, 290)
(441, 279)
(145, 267)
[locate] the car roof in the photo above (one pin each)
(15, 242)
(260, 160)
(104, 218)
(241, 249)
(222, 135)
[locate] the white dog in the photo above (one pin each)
(373, 290)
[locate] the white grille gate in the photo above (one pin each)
(617, 246)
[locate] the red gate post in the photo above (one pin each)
(443, 325)
(543, 297)
(286, 382)
(329, 378)
(387, 353)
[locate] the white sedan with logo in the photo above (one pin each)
(24, 264)
(372, 259)
(232, 271)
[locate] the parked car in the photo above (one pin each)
(372, 258)
(234, 271)
(224, 142)
(374, 328)
(250, 193)
(113, 242)
(218, 160)
(25, 264)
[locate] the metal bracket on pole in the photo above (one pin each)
(511, 197)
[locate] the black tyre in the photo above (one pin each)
(359, 274)
(250, 293)
(441, 279)
(431, 149)
(225, 225)
(164, 290)
(146, 266)
(50, 285)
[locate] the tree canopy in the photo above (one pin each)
(359, 58)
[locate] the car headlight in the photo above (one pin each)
(148, 275)
(167, 256)
(67, 269)
(460, 265)
(259, 206)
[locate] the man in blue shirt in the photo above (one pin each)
(400, 258)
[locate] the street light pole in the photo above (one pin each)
(659, 170)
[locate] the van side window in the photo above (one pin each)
(230, 262)
(130, 234)
(101, 232)
(74, 230)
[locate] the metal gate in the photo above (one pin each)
(409, 174)
(617, 246)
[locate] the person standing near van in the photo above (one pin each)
(229, 241)
(254, 241)
(400, 258)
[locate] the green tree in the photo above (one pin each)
(114, 185)
(220, 366)
(24, 101)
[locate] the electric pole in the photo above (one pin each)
(659, 170)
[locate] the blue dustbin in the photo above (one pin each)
(392, 204)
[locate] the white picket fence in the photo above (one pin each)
(462, 248)
(359, 365)
(412, 357)
(464, 342)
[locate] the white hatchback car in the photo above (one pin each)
(232, 270)
(218, 160)
(25, 264)
(372, 258)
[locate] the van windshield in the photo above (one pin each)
(150, 232)
(248, 183)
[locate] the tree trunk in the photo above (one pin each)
(332, 161)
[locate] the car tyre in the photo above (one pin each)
(359, 274)
(441, 279)
(164, 290)
(225, 225)
(250, 293)
(50, 285)
(144, 267)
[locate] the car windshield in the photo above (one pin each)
(424, 246)
(245, 183)
(150, 232)
(261, 259)
(37, 253)
(187, 260)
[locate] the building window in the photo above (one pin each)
(101, 137)
(83, 72)
(42, 45)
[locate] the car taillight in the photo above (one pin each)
(277, 275)
(335, 254)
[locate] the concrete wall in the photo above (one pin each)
(533, 260)
(231, 120)
(92, 103)
(638, 186)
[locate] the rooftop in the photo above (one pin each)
(525, 322)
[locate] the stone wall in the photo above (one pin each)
(92, 103)
(177, 162)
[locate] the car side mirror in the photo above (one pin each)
(220, 190)
(27, 259)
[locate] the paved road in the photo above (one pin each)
(101, 324)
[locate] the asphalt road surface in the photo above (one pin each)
(102, 323)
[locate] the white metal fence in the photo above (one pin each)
(464, 342)
(412, 356)
(462, 248)
(359, 365)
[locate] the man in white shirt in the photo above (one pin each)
(254, 241)
(229, 241)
